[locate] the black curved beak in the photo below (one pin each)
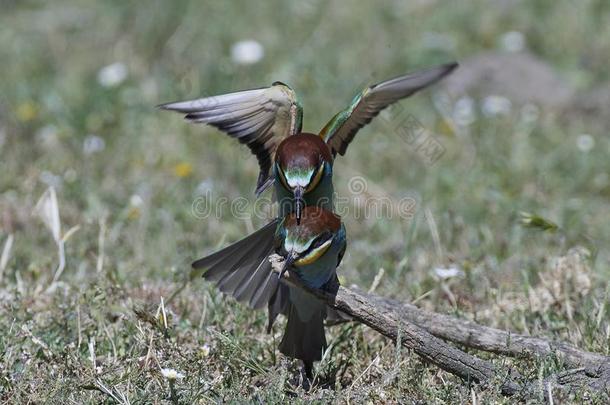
(287, 263)
(299, 203)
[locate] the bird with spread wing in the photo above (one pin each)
(269, 121)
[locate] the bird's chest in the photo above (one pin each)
(317, 274)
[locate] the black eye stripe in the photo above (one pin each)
(282, 175)
(320, 240)
(315, 172)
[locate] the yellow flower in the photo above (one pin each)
(444, 127)
(26, 111)
(133, 213)
(183, 169)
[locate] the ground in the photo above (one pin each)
(476, 229)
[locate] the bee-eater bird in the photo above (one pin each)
(312, 250)
(269, 121)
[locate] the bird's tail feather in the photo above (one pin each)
(243, 269)
(278, 304)
(304, 339)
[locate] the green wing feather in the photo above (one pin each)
(342, 128)
(340, 118)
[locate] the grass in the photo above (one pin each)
(98, 334)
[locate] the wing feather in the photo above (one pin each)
(259, 118)
(342, 128)
(242, 269)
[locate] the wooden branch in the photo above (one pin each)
(473, 335)
(416, 338)
(390, 320)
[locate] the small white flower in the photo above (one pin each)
(513, 41)
(247, 52)
(585, 142)
(463, 112)
(112, 75)
(205, 350)
(136, 201)
(449, 272)
(496, 105)
(171, 374)
(93, 144)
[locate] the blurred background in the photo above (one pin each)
(521, 187)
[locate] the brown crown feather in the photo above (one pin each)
(304, 150)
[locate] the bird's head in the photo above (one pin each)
(306, 242)
(301, 162)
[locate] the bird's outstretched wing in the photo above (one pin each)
(259, 118)
(242, 269)
(341, 129)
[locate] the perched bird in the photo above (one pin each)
(312, 250)
(269, 121)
